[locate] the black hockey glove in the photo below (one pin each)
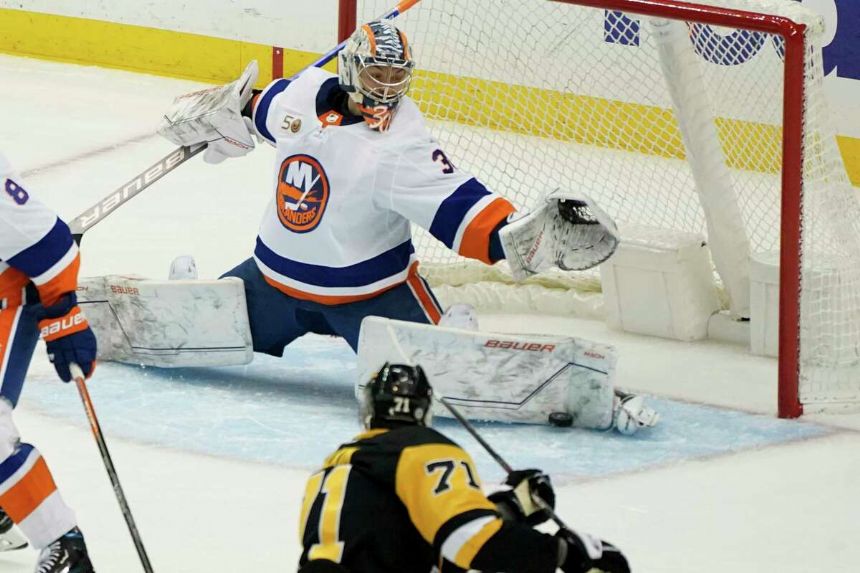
(586, 554)
(517, 502)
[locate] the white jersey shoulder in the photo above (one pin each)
(24, 220)
(32, 238)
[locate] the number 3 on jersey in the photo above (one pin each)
(440, 157)
(331, 485)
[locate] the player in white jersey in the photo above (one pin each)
(355, 167)
(39, 263)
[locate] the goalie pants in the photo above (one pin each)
(276, 319)
(27, 490)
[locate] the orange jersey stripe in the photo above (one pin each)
(65, 281)
(422, 293)
(8, 322)
(12, 283)
(475, 243)
(25, 496)
(325, 299)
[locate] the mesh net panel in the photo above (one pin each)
(531, 95)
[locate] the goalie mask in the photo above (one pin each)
(375, 69)
(398, 395)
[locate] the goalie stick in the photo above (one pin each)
(83, 222)
(86, 220)
(80, 380)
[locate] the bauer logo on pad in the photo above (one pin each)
(302, 193)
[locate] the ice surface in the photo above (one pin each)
(262, 413)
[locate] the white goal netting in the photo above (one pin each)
(667, 124)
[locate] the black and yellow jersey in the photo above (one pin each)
(408, 499)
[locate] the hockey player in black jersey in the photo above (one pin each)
(403, 498)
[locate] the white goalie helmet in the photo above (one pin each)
(375, 69)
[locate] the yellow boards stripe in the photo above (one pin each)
(597, 121)
(517, 109)
(138, 48)
(547, 113)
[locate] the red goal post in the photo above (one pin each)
(756, 16)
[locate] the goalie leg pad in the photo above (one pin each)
(502, 377)
(168, 323)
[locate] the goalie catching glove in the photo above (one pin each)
(569, 232)
(214, 117)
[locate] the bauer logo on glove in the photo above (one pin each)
(72, 322)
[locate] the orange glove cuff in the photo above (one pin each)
(69, 323)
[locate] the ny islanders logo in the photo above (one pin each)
(302, 193)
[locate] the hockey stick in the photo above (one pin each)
(83, 222)
(500, 460)
(80, 380)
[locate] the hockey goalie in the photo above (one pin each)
(355, 168)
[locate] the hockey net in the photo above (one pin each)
(672, 116)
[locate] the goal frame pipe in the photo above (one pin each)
(347, 13)
(793, 34)
(791, 197)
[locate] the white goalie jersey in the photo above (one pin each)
(338, 226)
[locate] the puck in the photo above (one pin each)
(560, 419)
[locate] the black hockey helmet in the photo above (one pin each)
(398, 395)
